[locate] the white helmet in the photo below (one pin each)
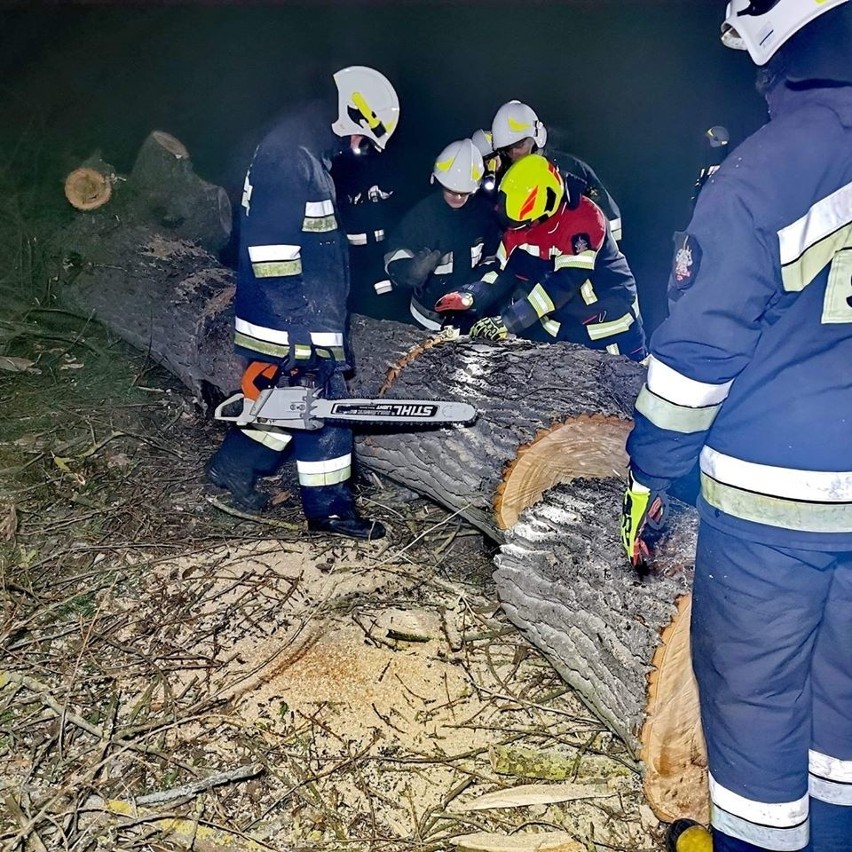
(515, 121)
(762, 26)
(482, 140)
(459, 167)
(367, 104)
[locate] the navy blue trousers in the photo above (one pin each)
(772, 653)
(323, 456)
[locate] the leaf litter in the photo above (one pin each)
(176, 676)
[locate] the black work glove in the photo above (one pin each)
(421, 266)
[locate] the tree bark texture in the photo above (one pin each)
(620, 640)
(528, 395)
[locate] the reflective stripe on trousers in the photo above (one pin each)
(323, 456)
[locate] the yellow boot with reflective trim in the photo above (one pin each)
(686, 835)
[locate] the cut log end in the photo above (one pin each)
(673, 750)
(589, 446)
(168, 142)
(87, 189)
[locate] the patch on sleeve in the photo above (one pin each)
(580, 243)
(686, 262)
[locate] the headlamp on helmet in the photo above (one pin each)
(531, 191)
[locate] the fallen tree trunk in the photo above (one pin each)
(620, 640)
(549, 415)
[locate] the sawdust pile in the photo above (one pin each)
(385, 698)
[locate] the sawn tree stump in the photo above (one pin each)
(539, 472)
(162, 192)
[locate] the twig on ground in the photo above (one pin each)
(193, 788)
(247, 516)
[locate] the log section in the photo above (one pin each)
(621, 641)
(547, 413)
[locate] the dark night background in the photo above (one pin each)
(628, 85)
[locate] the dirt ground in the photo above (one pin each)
(178, 676)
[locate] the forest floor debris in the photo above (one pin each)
(176, 676)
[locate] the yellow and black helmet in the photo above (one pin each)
(531, 191)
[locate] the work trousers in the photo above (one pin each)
(323, 456)
(772, 654)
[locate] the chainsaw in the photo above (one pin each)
(304, 407)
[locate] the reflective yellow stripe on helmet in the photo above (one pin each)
(372, 119)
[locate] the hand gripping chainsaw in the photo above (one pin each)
(301, 407)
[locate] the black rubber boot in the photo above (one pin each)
(350, 524)
(236, 466)
(687, 835)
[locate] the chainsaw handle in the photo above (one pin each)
(219, 412)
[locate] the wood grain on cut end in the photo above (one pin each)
(588, 446)
(673, 750)
(87, 189)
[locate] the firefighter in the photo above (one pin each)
(292, 286)
(448, 238)
(750, 375)
(368, 203)
(516, 132)
(562, 275)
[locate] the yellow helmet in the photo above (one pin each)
(531, 191)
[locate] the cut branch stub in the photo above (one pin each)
(176, 197)
(167, 142)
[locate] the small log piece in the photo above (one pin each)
(90, 186)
